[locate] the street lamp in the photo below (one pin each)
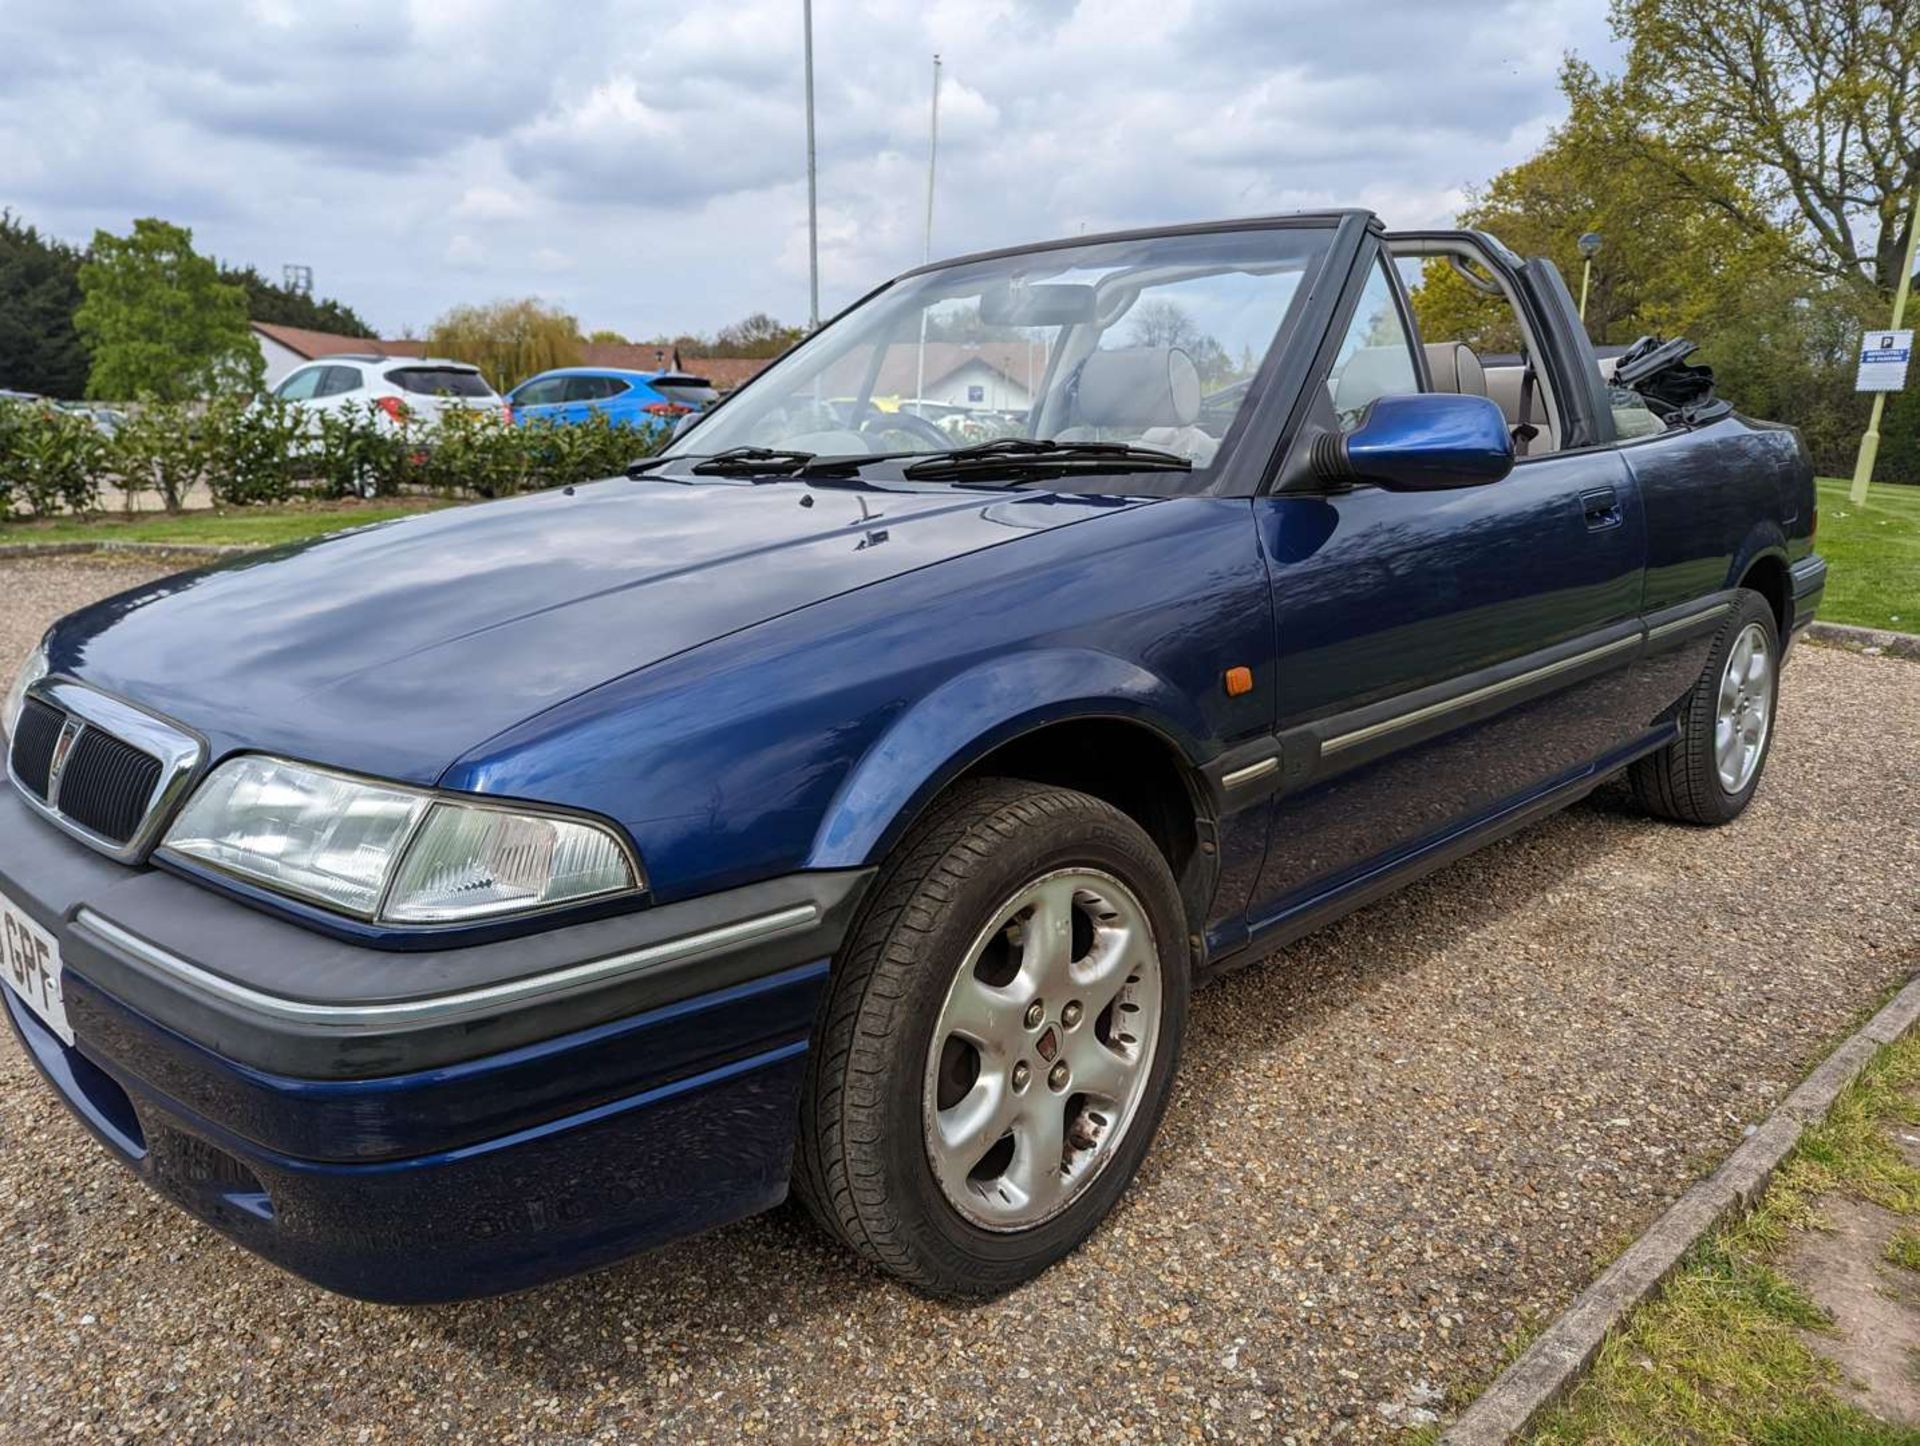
(1589, 248)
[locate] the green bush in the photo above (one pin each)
(161, 447)
(560, 453)
(253, 449)
(475, 452)
(355, 454)
(268, 451)
(49, 459)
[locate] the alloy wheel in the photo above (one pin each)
(1744, 714)
(1043, 1049)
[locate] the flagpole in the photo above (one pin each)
(926, 249)
(813, 189)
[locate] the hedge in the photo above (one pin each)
(247, 452)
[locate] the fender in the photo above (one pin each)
(958, 723)
(1766, 539)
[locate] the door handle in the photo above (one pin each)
(1601, 508)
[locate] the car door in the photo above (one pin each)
(1444, 657)
(580, 396)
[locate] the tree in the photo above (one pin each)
(39, 289)
(271, 301)
(1671, 263)
(1796, 116)
(1778, 330)
(159, 320)
(508, 340)
(756, 335)
(606, 336)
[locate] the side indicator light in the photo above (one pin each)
(1239, 680)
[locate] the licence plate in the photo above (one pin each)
(30, 967)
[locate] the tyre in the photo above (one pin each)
(998, 1041)
(1708, 774)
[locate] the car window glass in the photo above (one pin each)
(440, 382)
(586, 389)
(1376, 354)
(338, 380)
(540, 393)
(301, 386)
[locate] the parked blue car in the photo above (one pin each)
(626, 398)
(449, 905)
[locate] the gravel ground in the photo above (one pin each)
(1394, 1145)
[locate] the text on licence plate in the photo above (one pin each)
(30, 967)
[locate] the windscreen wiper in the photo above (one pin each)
(1043, 457)
(752, 462)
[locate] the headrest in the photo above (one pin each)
(1374, 371)
(1137, 387)
(1454, 368)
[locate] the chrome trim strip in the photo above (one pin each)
(1357, 736)
(1242, 776)
(1712, 611)
(438, 1006)
(178, 751)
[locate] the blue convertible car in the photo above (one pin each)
(448, 905)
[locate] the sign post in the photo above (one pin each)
(1879, 371)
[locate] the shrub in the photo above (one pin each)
(252, 448)
(161, 447)
(560, 453)
(268, 451)
(477, 452)
(354, 454)
(51, 459)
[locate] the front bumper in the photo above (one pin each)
(387, 1147)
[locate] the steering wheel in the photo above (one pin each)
(874, 421)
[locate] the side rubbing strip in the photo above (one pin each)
(438, 1006)
(1240, 777)
(1357, 736)
(1691, 620)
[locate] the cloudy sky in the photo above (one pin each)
(643, 164)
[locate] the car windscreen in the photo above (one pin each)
(440, 381)
(1145, 341)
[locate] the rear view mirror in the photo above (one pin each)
(1047, 304)
(1423, 442)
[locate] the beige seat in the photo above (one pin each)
(1455, 368)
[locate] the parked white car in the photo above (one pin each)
(398, 386)
(397, 389)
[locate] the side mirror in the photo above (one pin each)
(1424, 442)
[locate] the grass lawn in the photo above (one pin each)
(1719, 1354)
(1874, 555)
(253, 526)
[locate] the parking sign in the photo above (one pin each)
(1883, 361)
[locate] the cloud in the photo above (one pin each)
(650, 161)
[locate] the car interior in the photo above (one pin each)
(1523, 394)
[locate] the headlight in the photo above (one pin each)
(378, 850)
(32, 668)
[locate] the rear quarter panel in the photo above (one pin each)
(1717, 498)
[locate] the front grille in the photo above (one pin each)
(101, 787)
(33, 739)
(107, 785)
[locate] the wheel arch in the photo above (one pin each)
(1767, 575)
(1073, 718)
